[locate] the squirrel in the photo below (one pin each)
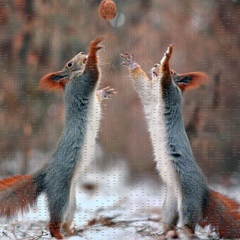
(57, 179)
(49, 83)
(189, 200)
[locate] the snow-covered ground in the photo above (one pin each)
(108, 208)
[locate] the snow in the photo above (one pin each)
(134, 208)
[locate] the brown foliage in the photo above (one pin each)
(41, 39)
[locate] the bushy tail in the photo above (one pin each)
(223, 214)
(18, 193)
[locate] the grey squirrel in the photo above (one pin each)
(80, 78)
(189, 200)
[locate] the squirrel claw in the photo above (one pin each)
(98, 48)
(163, 67)
(94, 45)
(97, 41)
(106, 93)
(167, 55)
(129, 61)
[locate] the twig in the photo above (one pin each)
(40, 236)
(5, 234)
(13, 231)
(107, 222)
(113, 207)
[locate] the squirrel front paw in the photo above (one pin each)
(94, 45)
(106, 93)
(167, 56)
(129, 61)
(163, 67)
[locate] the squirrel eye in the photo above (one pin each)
(70, 64)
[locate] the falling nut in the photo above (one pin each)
(107, 10)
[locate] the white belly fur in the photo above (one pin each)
(92, 128)
(87, 153)
(159, 140)
(93, 124)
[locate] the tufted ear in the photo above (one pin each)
(53, 81)
(188, 81)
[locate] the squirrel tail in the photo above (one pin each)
(223, 215)
(18, 193)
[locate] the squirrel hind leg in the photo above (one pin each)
(189, 232)
(67, 227)
(190, 213)
(55, 230)
(170, 212)
(172, 234)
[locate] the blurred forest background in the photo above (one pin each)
(40, 36)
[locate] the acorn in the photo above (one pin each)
(107, 10)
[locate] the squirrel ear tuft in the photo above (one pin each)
(53, 82)
(190, 80)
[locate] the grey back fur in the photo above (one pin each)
(192, 181)
(60, 169)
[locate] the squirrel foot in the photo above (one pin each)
(188, 233)
(106, 93)
(129, 61)
(172, 234)
(55, 230)
(67, 228)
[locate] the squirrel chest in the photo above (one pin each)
(92, 128)
(159, 138)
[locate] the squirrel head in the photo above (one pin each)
(184, 81)
(58, 80)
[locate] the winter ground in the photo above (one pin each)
(108, 207)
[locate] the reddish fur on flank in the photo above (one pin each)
(16, 193)
(197, 79)
(47, 83)
(223, 215)
(55, 230)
